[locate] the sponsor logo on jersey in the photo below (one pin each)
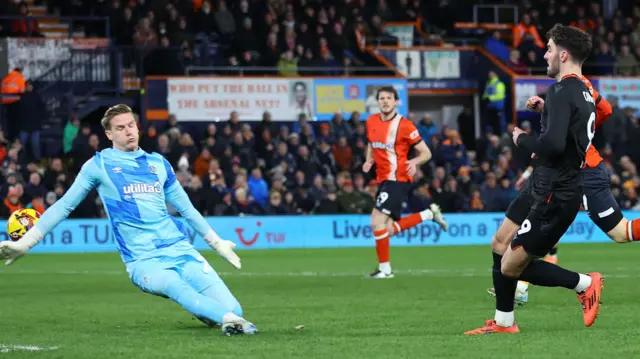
(382, 146)
(137, 190)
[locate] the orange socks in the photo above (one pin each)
(407, 222)
(382, 245)
(633, 230)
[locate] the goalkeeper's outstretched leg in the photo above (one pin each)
(191, 282)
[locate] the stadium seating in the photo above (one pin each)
(235, 168)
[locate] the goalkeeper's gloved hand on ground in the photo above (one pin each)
(12, 251)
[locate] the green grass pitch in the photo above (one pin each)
(84, 306)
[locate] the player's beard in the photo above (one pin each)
(386, 114)
(553, 67)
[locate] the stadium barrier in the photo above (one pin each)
(321, 231)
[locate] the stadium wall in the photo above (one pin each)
(334, 231)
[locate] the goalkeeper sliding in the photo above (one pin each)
(134, 186)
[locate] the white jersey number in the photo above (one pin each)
(591, 132)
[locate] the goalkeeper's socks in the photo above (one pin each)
(382, 247)
(231, 318)
(411, 221)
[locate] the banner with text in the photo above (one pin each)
(532, 86)
(36, 56)
(404, 33)
(348, 95)
(434, 69)
(309, 232)
(207, 99)
(625, 89)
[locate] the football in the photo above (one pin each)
(21, 221)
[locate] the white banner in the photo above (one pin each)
(404, 33)
(408, 64)
(36, 56)
(442, 64)
(213, 99)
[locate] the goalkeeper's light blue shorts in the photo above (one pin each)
(158, 276)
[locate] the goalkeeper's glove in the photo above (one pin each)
(12, 251)
(223, 247)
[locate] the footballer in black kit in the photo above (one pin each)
(568, 122)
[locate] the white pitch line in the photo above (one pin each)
(6, 348)
(464, 272)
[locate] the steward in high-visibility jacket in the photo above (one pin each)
(13, 86)
(523, 28)
(495, 93)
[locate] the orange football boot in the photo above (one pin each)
(490, 327)
(590, 299)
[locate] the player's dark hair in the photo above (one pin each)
(113, 112)
(299, 83)
(577, 42)
(389, 89)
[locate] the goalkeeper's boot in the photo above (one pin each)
(438, 217)
(378, 274)
(238, 326)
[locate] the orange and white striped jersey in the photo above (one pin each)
(391, 141)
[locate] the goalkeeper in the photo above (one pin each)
(134, 186)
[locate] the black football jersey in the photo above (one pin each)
(568, 127)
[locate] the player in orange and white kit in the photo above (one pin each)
(390, 138)
(598, 200)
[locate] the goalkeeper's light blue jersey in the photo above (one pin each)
(134, 188)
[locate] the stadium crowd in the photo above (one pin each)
(616, 47)
(243, 168)
(234, 169)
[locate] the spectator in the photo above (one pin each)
(451, 200)
(145, 36)
(340, 127)
(352, 201)
(626, 63)
(12, 202)
(426, 127)
(246, 206)
(258, 188)
(33, 112)
(71, 130)
(515, 63)
(605, 60)
(328, 204)
(497, 47)
(343, 154)
(490, 194)
(288, 65)
(275, 205)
